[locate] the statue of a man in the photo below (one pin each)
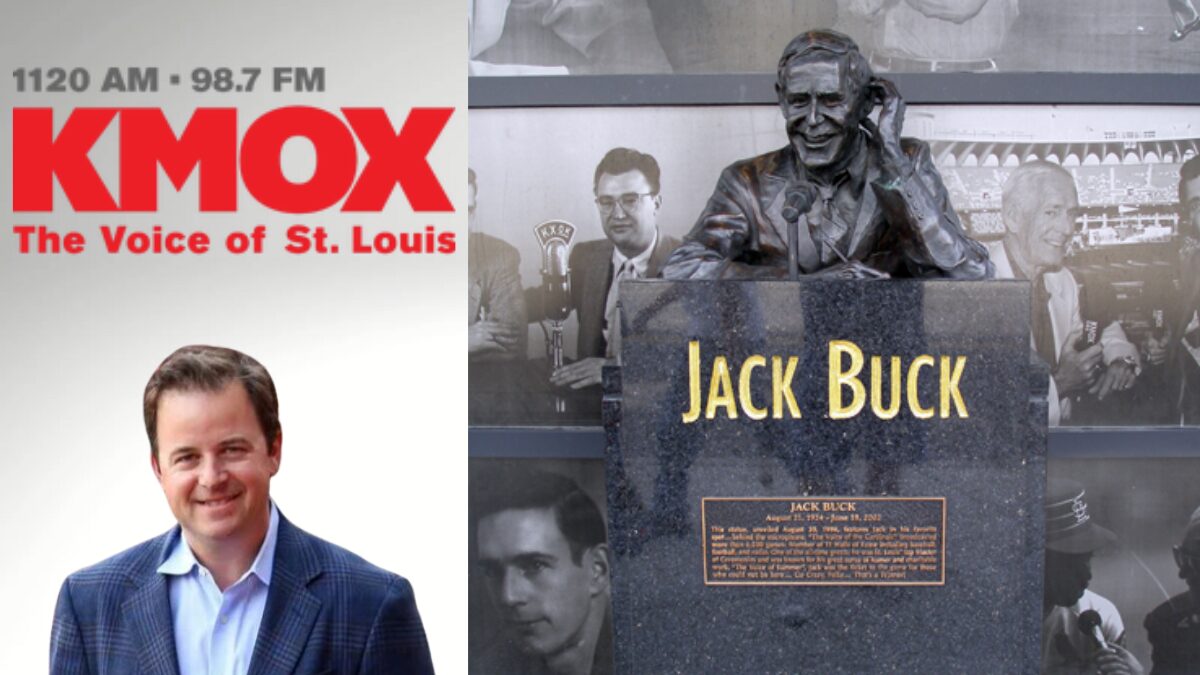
(864, 202)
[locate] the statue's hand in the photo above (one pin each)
(886, 134)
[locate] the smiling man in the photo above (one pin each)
(543, 552)
(1038, 205)
(235, 587)
(867, 203)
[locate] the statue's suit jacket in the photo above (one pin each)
(591, 275)
(327, 611)
(906, 228)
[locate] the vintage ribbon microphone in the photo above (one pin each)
(554, 237)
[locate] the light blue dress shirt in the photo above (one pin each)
(214, 631)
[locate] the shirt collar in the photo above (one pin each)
(181, 561)
(640, 262)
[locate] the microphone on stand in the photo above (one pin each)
(554, 237)
(797, 202)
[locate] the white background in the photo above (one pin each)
(367, 351)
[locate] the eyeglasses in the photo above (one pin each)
(628, 201)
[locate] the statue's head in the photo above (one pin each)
(824, 94)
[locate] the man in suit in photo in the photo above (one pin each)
(626, 185)
(234, 587)
(1038, 204)
(496, 301)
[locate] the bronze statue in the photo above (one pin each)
(872, 203)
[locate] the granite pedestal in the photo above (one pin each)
(749, 540)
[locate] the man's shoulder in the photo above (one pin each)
(1166, 616)
(774, 161)
(122, 572)
(594, 248)
(493, 249)
(1103, 606)
(341, 572)
(668, 243)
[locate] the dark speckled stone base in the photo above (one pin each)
(990, 468)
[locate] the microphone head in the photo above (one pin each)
(1089, 620)
(1089, 624)
(795, 203)
(557, 257)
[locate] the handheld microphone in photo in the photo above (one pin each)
(1089, 625)
(1091, 323)
(554, 237)
(798, 201)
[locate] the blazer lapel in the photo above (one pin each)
(149, 610)
(291, 609)
(775, 181)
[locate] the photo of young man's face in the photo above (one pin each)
(540, 589)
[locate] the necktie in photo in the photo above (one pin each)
(612, 322)
(1043, 329)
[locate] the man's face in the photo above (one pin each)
(1067, 576)
(820, 108)
(214, 464)
(1048, 227)
(543, 595)
(1191, 204)
(628, 211)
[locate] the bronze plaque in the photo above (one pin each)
(824, 541)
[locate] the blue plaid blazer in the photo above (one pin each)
(328, 611)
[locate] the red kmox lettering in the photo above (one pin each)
(397, 159)
(209, 146)
(38, 157)
(337, 160)
(147, 142)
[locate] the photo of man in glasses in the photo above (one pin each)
(626, 185)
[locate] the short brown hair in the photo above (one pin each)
(210, 369)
